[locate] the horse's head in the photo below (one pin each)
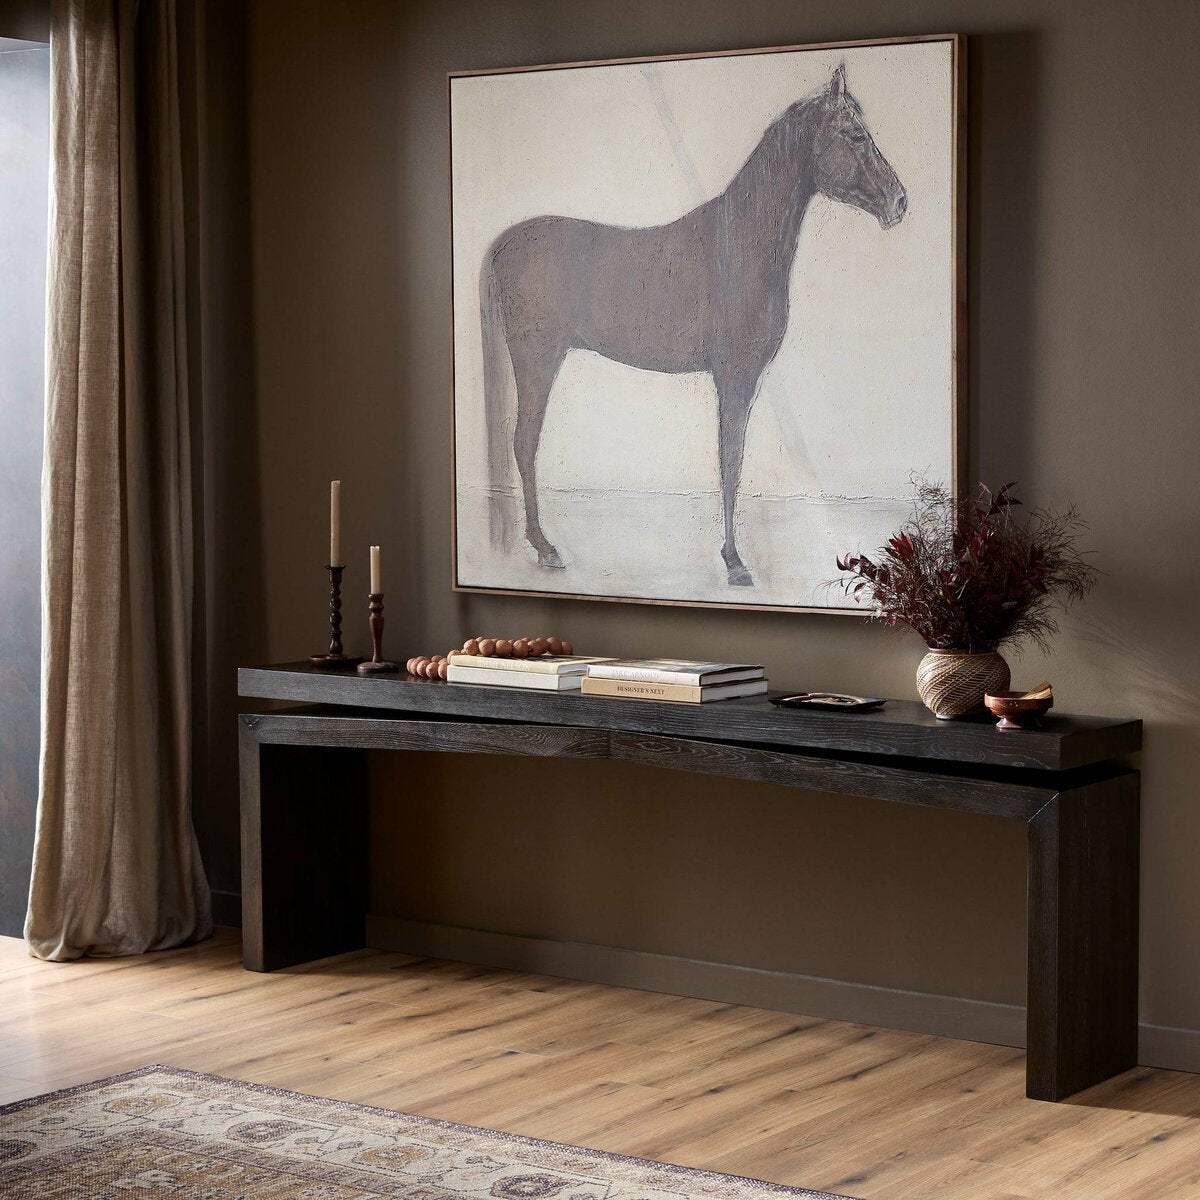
(848, 164)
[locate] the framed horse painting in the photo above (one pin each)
(708, 318)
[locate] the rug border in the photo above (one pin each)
(782, 1189)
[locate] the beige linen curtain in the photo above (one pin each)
(116, 868)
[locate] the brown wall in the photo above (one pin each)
(1084, 362)
(27, 20)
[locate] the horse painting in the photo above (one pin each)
(705, 293)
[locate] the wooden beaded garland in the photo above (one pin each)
(435, 666)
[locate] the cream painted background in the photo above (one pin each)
(859, 396)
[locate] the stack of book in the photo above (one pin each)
(676, 680)
(547, 673)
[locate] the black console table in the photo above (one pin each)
(304, 814)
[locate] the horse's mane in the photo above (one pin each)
(803, 114)
(798, 116)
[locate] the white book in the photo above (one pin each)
(529, 680)
(674, 670)
(544, 664)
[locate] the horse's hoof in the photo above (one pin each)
(550, 558)
(739, 576)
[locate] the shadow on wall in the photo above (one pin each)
(1003, 130)
(229, 632)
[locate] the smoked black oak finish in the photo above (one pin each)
(1081, 1019)
(903, 727)
(304, 851)
(304, 823)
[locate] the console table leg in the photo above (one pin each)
(304, 851)
(1083, 938)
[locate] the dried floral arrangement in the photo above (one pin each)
(971, 574)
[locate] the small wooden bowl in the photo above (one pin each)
(1016, 711)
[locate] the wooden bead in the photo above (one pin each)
(437, 666)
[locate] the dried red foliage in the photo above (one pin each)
(969, 574)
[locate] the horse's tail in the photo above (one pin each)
(497, 409)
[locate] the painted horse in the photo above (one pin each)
(708, 292)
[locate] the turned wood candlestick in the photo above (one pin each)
(335, 657)
(375, 620)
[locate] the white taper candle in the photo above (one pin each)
(376, 586)
(335, 522)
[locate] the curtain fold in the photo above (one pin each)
(116, 866)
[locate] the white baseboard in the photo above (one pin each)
(807, 995)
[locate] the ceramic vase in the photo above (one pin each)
(953, 683)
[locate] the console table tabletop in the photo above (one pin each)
(305, 816)
(904, 728)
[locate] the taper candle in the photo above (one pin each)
(376, 586)
(335, 522)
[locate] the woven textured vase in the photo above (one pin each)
(953, 683)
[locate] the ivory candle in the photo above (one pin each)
(376, 586)
(335, 522)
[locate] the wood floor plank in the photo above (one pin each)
(874, 1113)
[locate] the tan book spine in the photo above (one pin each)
(677, 693)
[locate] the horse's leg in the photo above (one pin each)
(735, 395)
(535, 368)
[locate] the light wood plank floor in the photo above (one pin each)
(849, 1108)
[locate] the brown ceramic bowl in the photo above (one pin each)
(1017, 712)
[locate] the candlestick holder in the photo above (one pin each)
(375, 620)
(335, 657)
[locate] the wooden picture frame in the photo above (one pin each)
(530, 298)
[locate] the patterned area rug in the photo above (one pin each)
(162, 1132)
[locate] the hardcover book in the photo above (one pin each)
(675, 670)
(674, 693)
(546, 664)
(532, 680)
